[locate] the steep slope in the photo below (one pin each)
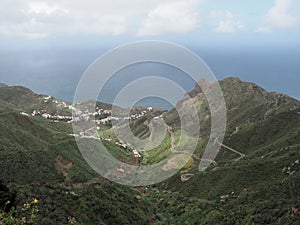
(245, 102)
(39, 159)
(263, 187)
(256, 119)
(18, 98)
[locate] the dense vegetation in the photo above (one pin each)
(40, 160)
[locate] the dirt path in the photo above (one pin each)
(230, 149)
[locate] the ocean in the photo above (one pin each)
(57, 72)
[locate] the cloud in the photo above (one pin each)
(47, 18)
(35, 19)
(279, 15)
(29, 30)
(283, 14)
(44, 8)
(263, 30)
(228, 24)
(172, 17)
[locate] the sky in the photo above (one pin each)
(43, 19)
(57, 39)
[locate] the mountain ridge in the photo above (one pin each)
(39, 159)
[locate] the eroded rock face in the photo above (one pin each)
(202, 83)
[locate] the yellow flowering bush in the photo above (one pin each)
(31, 210)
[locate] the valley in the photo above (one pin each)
(255, 178)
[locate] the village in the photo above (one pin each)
(101, 117)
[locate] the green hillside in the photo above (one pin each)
(39, 159)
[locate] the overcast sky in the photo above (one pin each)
(44, 19)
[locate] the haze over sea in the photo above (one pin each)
(56, 70)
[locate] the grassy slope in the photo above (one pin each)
(29, 147)
(259, 190)
(263, 191)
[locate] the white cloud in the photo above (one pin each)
(30, 29)
(171, 17)
(279, 15)
(263, 30)
(44, 18)
(44, 8)
(282, 15)
(228, 24)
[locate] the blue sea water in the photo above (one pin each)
(57, 72)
